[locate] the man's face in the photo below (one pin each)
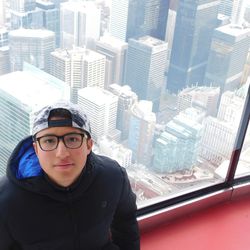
(63, 165)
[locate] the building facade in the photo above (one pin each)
(32, 46)
(80, 24)
(195, 23)
(145, 68)
(135, 18)
(101, 107)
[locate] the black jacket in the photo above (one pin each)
(97, 212)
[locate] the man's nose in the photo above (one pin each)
(61, 150)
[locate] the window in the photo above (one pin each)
(174, 84)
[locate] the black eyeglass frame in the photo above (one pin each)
(61, 137)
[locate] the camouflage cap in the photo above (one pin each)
(78, 118)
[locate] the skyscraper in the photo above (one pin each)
(18, 99)
(204, 98)
(2, 13)
(135, 18)
(101, 107)
(23, 14)
(226, 7)
(80, 24)
(145, 68)
(51, 17)
(79, 68)
(195, 23)
(228, 53)
(141, 132)
(32, 46)
(4, 52)
(115, 51)
(177, 147)
(116, 151)
(126, 99)
(219, 133)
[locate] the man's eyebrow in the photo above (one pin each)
(47, 135)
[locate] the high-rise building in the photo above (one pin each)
(177, 147)
(115, 51)
(126, 99)
(145, 68)
(246, 69)
(116, 151)
(228, 53)
(135, 18)
(2, 13)
(231, 106)
(217, 140)
(51, 17)
(79, 68)
(24, 14)
(141, 132)
(204, 98)
(4, 52)
(18, 99)
(195, 23)
(226, 7)
(237, 17)
(219, 133)
(80, 24)
(32, 46)
(101, 107)
(247, 13)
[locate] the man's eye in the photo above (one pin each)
(48, 140)
(72, 139)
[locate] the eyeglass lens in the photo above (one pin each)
(50, 142)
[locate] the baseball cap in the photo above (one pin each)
(77, 117)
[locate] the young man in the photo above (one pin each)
(59, 195)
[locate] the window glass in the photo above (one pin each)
(163, 82)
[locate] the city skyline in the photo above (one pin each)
(158, 95)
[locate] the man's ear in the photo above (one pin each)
(35, 147)
(89, 144)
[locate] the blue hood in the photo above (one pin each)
(23, 161)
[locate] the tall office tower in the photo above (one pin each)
(135, 18)
(79, 68)
(2, 13)
(231, 106)
(115, 51)
(246, 69)
(145, 68)
(219, 133)
(32, 46)
(227, 57)
(126, 99)
(101, 107)
(141, 132)
(58, 2)
(23, 13)
(204, 98)
(226, 7)
(237, 17)
(247, 13)
(116, 151)
(80, 24)
(4, 52)
(51, 17)
(170, 30)
(195, 23)
(177, 147)
(20, 94)
(217, 140)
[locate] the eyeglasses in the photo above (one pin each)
(70, 140)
